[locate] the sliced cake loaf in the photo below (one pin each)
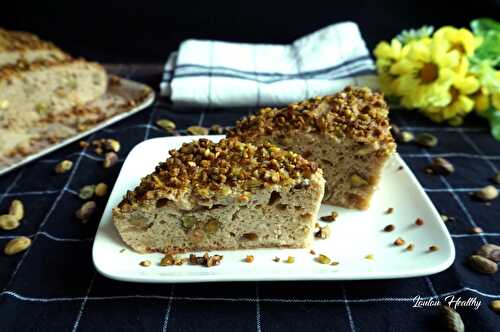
(44, 88)
(33, 94)
(41, 87)
(226, 195)
(347, 134)
(17, 45)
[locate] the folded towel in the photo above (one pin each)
(209, 73)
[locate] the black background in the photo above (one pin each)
(146, 31)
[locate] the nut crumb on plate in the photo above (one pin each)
(399, 241)
(205, 260)
(433, 248)
(249, 259)
(331, 217)
(322, 232)
(323, 259)
(389, 228)
(145, 263)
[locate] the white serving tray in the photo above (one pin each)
(354, 235)
(113, 101)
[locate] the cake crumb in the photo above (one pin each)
(419, 222)
(389, 210)
(410, 247)
(312, 252)
(249, 259)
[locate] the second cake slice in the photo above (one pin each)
(226, 195)
(347, 134)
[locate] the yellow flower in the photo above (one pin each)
(482, 99)
(387, 54)
(426, 74)
(461, 101)
(391, 51)
(461, 40)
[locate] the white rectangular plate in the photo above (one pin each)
(355, 234)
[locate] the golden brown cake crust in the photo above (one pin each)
(11, 70)
(355, 112)
(347, 134)
(203, 169)
(22, 41)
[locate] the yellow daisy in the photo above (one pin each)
(426, 74)
(461, 101)
(391, 51)
(461, 40)
(482, 99)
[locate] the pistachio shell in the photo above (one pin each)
(16, 209)
(452, 320)
(426, 140)
(63, 166)
(482, 264)
(8, 222)
(17, 245)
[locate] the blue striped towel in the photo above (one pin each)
(209, 73)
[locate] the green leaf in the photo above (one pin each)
(482, 25)
(493, 117)
(490, 48)
(409, 35)
(486, 73)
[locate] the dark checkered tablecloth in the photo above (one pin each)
(53, 285)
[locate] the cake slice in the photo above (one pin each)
(347, 134)
(17, 45)
(226, 195)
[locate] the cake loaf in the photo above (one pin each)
(347, 134)
(34, 94)
(226, 195)
(42, 90)
(17, 45)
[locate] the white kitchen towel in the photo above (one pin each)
(207, 73)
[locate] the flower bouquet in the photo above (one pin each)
(446, 74)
